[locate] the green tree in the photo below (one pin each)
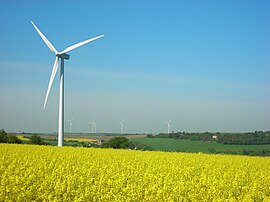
(3, 136)
(13, 139)
(35, 139)
(8, 138)
(117, 143)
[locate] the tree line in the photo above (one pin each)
(13, 139)
(255, 138)
(115, 143)
(124, 143)
(250, 138)
(9, 138)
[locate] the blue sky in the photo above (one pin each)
(203, 64)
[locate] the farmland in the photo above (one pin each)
(160, 144)
(166, 144)
(49, 173)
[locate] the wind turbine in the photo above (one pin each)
(169, 125)
(63, 56)
(70, 124)
(121, 126)
(94, 126)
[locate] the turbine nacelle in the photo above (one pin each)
(63, 56)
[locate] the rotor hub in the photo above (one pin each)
(63, 56)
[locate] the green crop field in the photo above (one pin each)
(167, 144)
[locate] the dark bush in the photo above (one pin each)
(13, 139)
(35, 139)
(8, 138)
(3, 136)
(117, 143)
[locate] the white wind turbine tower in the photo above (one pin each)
(63, 56)
(94, 126)
(70, 124)
(121, 126)
(169, 125)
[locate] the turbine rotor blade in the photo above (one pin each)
(54, 70)
(77, 45)
(48, 43)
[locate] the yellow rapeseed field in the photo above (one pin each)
(81, 139)
(46, 173)
(22, 138)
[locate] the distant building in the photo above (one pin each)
(100, 142)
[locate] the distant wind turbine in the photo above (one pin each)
(63, 56)
(121, 126)
(94, 126)
(70, 124)
(169, 125)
